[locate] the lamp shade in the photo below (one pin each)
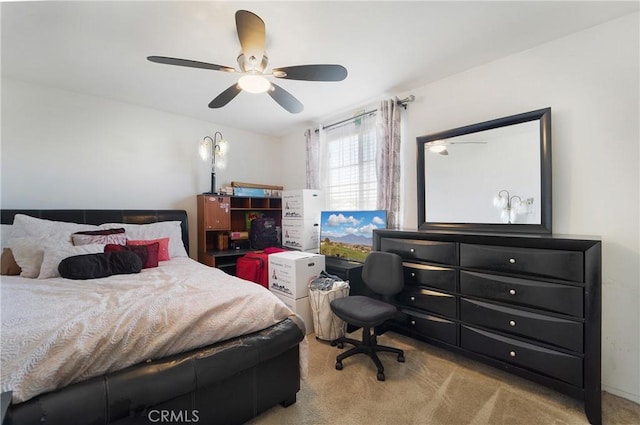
(500, 201)
(254, 83)
(205, 148)
(505, 215)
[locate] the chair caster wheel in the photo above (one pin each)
(380, 376)
(334, 343)
(340, 345)
(400, 358)
(338, 365)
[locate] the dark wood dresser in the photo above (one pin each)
(527, 304)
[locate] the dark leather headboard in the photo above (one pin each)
(96, 217)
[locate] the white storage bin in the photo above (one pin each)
(305, 203)
(301, 307)
(291, 272)
(301, 234)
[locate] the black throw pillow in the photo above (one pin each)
(95, 266)
(125, 262)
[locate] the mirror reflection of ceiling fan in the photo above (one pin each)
(253, 62)
(440, 146)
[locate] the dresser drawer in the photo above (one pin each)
(567, 265)
(436, 277)
(435, 302)
(430, 251)
(563, 299)
(430, 326)
(551, 330)
(552, 363)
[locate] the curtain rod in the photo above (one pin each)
(399, 102)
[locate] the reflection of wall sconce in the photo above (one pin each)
(213, 147)
(510, 205)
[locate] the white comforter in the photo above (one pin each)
(59, 331)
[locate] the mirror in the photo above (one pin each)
(492, 176)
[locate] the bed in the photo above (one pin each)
(238, 355)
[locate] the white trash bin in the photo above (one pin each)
(326, 324)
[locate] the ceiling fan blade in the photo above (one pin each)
(285, 99)
(186, 62)
(225, 97)
(312, 72)
(251, 33)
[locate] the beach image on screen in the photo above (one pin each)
(349, 234)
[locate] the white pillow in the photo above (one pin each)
(161, 229)
(28, 254)
(54, 253)
(25, 225)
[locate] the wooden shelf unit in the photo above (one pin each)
(218, 215)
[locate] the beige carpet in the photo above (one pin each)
(433, 386)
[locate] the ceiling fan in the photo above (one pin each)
(253, 61)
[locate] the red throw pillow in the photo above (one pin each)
(147, 253)
(163, 251)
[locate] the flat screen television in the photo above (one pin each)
(349, 234)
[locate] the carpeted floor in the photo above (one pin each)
(433, 386)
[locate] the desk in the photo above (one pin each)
(347, 270)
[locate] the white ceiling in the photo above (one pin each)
(100, 48)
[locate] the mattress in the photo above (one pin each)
(57, 331)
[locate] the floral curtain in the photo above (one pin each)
(313, 159)
(388, 161)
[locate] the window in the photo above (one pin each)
(351, 182)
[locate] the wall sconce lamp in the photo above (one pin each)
(510, 205)
(213, 147)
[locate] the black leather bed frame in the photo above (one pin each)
(226, 383)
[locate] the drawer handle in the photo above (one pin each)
(512, 353)
(512, 260)
(413, 274)
(413, 322)
(512, 291)
(512, 322)
(412, 250)
(412, 298)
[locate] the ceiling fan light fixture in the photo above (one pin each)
(437, 148)
(254, 83)
(253, 63)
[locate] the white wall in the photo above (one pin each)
(66, 150)
(590, 80)
(294, 148)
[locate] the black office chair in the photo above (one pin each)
(382, 273)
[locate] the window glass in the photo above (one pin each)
(351, 166)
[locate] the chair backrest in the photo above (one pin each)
(382, 273)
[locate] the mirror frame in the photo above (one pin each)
(544, 115)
